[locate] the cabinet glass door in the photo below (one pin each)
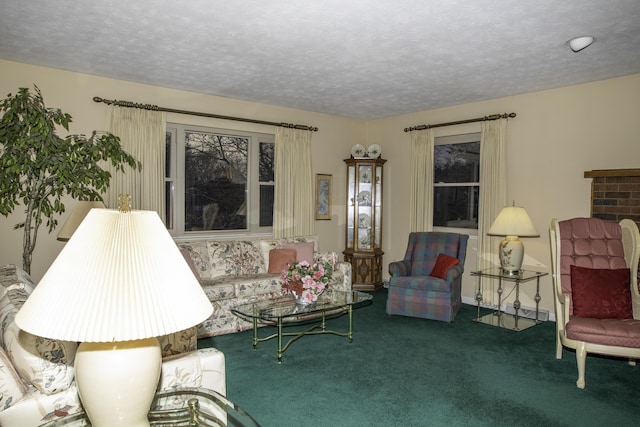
(364, 205)
(377, 214)
(351, 205)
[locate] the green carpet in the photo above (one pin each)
(402, 371)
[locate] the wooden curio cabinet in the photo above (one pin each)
(364, 222)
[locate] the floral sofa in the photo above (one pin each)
(234, 272)
(37, 375)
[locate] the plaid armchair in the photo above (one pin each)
(413, 292)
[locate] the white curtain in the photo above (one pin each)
(142, 135)
(421, 199)
(493, 195)
(293, 198)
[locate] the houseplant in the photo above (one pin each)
(39, 167)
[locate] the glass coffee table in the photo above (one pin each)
(182, 407)
(284, 310)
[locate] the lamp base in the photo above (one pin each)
(117, 381)
(511, 252)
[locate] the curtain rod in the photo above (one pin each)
(130, 104)
(460, 122)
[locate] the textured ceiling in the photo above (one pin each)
(355, 58)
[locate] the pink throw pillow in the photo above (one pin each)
(443, 264)
(304, 250)
(601, 293)
(279, 260)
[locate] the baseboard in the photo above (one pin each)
(528, 312)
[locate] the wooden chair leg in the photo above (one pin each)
(581, 359)
(558, 346)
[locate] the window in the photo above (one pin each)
(456, 181)
(218, 181)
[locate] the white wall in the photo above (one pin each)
(556, 136)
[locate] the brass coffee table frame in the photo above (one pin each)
(280, 311)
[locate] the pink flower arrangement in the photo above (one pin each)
(305, 280)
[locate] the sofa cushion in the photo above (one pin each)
(601, 293)
(266, 245)
(11, 387)
(279, 260)
(234, 258)
(304, 250)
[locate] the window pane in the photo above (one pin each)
(456, 207)
(266, 205)
(457, 162)
(215, 181)
(168, 158)
(168, 197)
(265, 167)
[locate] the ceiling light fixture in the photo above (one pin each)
(579, 43)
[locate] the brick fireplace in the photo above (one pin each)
(615, 194)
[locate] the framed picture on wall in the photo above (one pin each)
(323, 196)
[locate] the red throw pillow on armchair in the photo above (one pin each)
(442, 265)
(601, 293)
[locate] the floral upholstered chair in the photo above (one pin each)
(595, 279)
(427, 283)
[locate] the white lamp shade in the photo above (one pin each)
(513, 221)
(120, 277)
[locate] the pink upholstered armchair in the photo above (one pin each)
(595, 278)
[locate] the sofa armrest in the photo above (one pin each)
(341, 279)
(201, 368)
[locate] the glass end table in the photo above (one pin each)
(499, 318)
(183, 407)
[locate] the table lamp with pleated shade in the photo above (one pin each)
(119, 283)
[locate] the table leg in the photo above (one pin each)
(255, 333)
(499, 311)
(280, 340)
(516, 304)
(479, 296)
(537, 298)
(350, 323)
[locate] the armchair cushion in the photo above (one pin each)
(443, 264)
(11, 387)
(601, 293)
(43, 362)
(179, 342)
